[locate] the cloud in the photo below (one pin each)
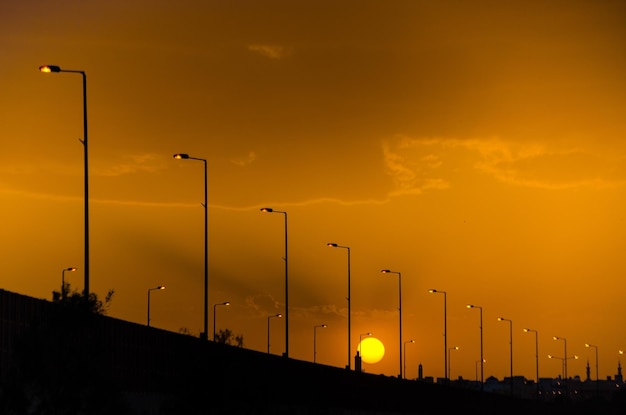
(269, 51)
(132, 164)
(420, 164)
(243, 161)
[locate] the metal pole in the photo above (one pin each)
(148, 322)
(206, 253)
(286, 292)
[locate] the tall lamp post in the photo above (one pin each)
(511, 347)
(268, 329)
(361, 340)
(445, 333)
(270, 210)
(315, 341)
(536, 355)
(160, 287)
(84, 141)
(71, 269)
(214, 314)
(482, 360)
(597, 378)
(563, 367)
(564, 362)
(386, 271)
(182, 156)
(449, 375)
(405, 343)
(334, 245)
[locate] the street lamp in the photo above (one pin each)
(448, 375)
(270, 210)
(563, 366)
(214, 314)
(386, 271)
(482, 360)
(334, 245)
(55, 69)
(445, 332)
(597, 379)
(511, 346)
(536, 355)
(405, 343)
(315, 341)
(160, 287)
(181, 156)
(71, 269)
(268, 329)
(564, 362)
(361, 339)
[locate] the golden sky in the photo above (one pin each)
(476, 147)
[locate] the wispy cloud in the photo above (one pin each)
(420, 164)
(133, 163)
(245, 160)
(269, 51)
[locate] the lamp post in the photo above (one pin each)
(564, 362)
(334, 245)
(182, 156)
(160, 287)
(563, 366)
(405, 343)
(315, 341)
(597, 378)
(536, 356)
(386, 271)
(445, 333)
(71, 269)
(214, 314)
(268, 329)
(448, 375)
(511, 347)
(84, 141)
(270, 210)
(482, 360)
(361, 340)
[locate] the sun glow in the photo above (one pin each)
(371, 350)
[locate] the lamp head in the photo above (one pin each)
(267, 210)
(226, 303)
(324, 325)
(332, 245)
(432, 291)
(385, 271)
(49, 68)
(161, 287)
(70, 269)
(279, 315)
(180, 156)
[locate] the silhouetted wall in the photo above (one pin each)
(161, 372)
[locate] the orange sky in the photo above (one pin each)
(475, 147)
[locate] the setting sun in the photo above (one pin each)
(371, 349)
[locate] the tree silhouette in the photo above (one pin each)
(62, 362)
(226, 337)
(74, 299)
